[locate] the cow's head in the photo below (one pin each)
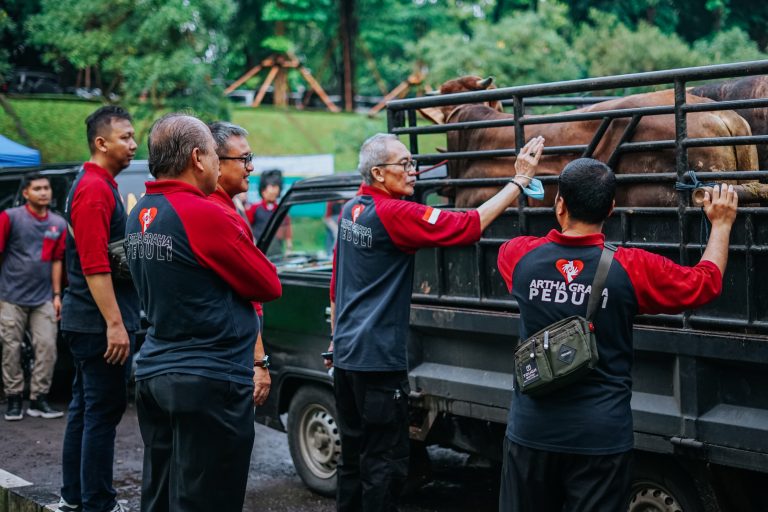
(439, 115)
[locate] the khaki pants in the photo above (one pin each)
(41, 321)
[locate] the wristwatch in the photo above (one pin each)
(263, 363)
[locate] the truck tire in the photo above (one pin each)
(314, 438)
(662, 486)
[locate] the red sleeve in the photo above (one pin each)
(662, 286)
(59, 248)
(251, 212)
(414, 226)
(5, 230)
(231, 253)
(512, 251)
(333, 273)
(92, 208)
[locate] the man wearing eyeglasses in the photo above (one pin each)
(371, 285)
(235, 165)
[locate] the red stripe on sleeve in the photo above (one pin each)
(408, 225)
(59, 248)
(662, 286)
(92, 208)
(5, 230)
(221, 244)
(511, 252)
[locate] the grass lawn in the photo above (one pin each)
(57, 129)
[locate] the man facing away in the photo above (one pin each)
(235, 165)
(99, 316)
(571, 449)
(371, 285)
(197, 271)
(32, 248)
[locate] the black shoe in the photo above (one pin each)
(13, 413)
(40, 409)
(63, 506)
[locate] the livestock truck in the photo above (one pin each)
(700, 379)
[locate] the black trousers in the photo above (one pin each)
(373, 419)
(540, 481)
(198, 436)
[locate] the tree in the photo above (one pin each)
(526, 47)
(157, 54)
(6, 25)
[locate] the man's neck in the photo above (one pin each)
(39, 210)
(105, 164)
(576, 228)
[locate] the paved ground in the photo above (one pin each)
(31, 449)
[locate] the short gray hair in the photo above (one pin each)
(375, 150)
(222, 131)
(171, 141)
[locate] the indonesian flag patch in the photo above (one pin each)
(431, 215)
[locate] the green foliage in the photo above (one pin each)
(6, 25)
(164, 51)
(526, 47)
(297, 10)
(733, 45)
(612, 48)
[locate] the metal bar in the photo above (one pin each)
(725, 141)
(413, 138)
(749, 263)
(597, 138)
(726, 105)
(493, 153)
(634, 147)
(681, 165)
(621, 178)
(629, 132)
(531, 120)
(589, 84)
(567, 100)
(522, 200)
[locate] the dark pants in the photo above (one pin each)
(540, 481)
(198, 436)
(98, 403)
(372, 412)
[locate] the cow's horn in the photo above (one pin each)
(485, 82)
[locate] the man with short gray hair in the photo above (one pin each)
(371, 286)
(196, 271)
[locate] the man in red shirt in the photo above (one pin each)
(371, 285)
(235, 165)
(100, 313)
(32, 248)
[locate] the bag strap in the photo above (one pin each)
(599, 282)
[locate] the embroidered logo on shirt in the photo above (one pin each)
(356, 211)
(146, 216)
(431, 215)
(569, 268)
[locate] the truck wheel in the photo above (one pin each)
(662, 487)
(314, 438)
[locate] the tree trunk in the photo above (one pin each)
(348, 34)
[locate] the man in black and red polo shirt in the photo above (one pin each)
(235, 166)
(571, 449)
(99, 315)
(371, 286)
(197, 271)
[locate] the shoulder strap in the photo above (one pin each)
(599, 282)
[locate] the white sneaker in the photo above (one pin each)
(118, 508)
(63, 506)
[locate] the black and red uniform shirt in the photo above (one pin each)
(372, 276)
(258, 215)
(197, 271)
(29, 244)
(95, 210)
(222, 199)
(551, 278)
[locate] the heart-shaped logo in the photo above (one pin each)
(356, 211)
(569, 268)
(146, 216)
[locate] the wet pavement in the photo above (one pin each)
(31, 449)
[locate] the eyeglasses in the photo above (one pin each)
(409, 165)
(246, 159)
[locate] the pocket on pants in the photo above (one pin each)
(385, 404)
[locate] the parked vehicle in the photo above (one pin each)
(699, 402)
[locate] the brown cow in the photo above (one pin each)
(650, 128)
(752, 87)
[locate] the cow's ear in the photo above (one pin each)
(434, 114)
(496, 105)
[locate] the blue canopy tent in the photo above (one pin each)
(13, 154)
